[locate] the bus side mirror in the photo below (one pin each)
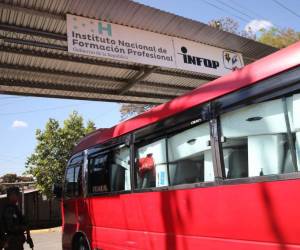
(57, 190)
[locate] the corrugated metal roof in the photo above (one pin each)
(33, 49)
(125, 12)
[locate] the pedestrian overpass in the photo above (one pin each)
(35, 59)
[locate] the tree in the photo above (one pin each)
(54, 147)
(279, 38)
(10, 178)
(232, 26)
(276, 37)
(128, 110)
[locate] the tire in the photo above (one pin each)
(82, 244)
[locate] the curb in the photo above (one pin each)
(47, 230)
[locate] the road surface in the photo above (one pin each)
(46, 241)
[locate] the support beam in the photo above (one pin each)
(34, 43)
(25, 91)
(83, 76)
(166, 86)
(66, 57)
(143, 74)
(76, 88)
(34, 32)
(62, 73)
(185, 75)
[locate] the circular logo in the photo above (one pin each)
(184, 50)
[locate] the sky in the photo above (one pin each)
(21, 116)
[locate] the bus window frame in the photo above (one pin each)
(267, 89)
(138, 144)
(97, 151)
(108, 145)
(283, 84)
(93, 156)
(73, 164)
(142, 139)
(276, 87)
(67, 196)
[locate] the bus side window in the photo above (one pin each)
(78, 180)
(190, 158)
(69, 182)
(151, 165)
(120, 169)
(257, 141)
(73, 180)
(98, 174)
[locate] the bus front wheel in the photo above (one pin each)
(81, 244)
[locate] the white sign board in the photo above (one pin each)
(101, 39)
(204, 58)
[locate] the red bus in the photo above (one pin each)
(216, 168)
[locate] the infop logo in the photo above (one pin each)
(231, 60)
(104, 29)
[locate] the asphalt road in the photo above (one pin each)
(46, 241)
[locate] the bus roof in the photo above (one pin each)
(266, 67)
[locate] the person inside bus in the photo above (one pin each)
(146, 171)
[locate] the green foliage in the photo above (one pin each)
(276, 37)
(128, 110)
(232, 26)
(279, 38)
(54, 147)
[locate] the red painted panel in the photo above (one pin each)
(266, 67)
(69, 222)
(247, 216)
